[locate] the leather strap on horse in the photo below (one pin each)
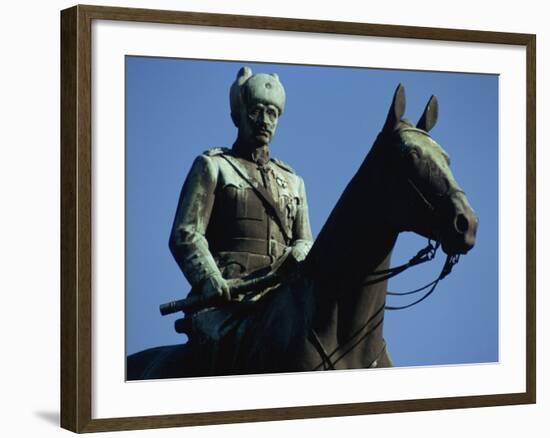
(331, 359)
(424, 255)
(447, 268)
(321, 350)
(328, 358)
(263, 194)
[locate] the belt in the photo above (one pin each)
(254, 246)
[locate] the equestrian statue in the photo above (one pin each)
(265, 297)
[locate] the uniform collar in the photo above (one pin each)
(259, 155)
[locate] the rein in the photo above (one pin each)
(446, 270)
(424, 255)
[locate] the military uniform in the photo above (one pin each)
(239, 211)
(223, 227)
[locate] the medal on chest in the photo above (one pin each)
(281, 182)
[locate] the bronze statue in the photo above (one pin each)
(324, 311)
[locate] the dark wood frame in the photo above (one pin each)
(76, 238)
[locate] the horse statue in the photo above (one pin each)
(328, 311)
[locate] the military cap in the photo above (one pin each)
(261, 86)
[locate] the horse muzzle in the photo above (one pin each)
(459, 236)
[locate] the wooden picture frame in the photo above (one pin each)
(76, 217)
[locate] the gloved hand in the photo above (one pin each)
(300, 250)
(216, 288)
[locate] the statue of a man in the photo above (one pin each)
(240, 210)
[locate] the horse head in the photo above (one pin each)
(422, 192)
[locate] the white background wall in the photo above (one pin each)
(29, 223)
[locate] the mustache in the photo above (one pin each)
(262, 130)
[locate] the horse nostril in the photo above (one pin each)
(461, 223)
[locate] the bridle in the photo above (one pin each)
(424, 255)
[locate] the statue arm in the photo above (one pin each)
(188, 243)
(302, 240)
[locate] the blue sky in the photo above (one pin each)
(176, 108)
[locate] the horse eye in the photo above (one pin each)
(443, 187)
(413, 154)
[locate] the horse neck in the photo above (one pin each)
(356, 237)
(356, 240)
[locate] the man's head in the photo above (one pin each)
(256, 101)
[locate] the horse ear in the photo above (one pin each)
(397, 109)
(429, 117)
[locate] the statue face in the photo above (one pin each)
(258, 123)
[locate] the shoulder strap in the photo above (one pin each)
(262, 193)
(212, 152)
